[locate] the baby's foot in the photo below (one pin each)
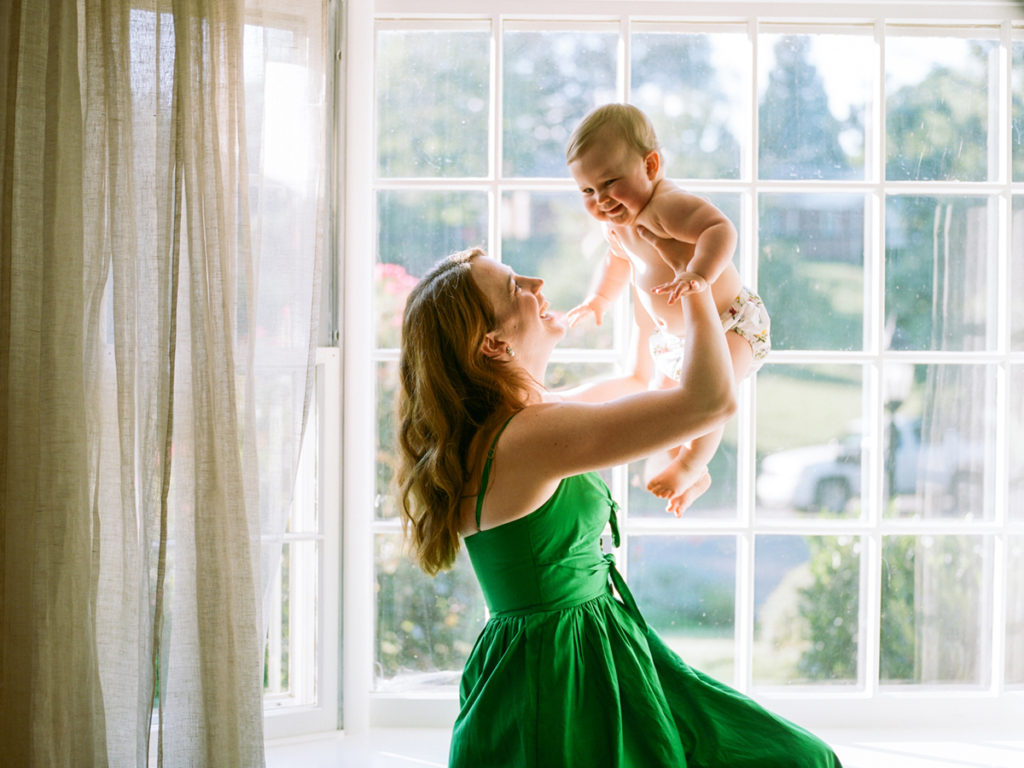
(674, 480)
(677, 505)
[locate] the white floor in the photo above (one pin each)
(401, 748)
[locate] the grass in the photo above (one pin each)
(796, 410)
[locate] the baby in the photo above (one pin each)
(614, 157)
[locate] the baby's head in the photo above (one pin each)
(623, 122)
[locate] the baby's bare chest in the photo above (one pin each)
(650, 268)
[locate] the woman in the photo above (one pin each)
(563, 674)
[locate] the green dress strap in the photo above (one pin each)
(487, 471)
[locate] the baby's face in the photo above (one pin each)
(616, 182)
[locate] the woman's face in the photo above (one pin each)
(524, 323)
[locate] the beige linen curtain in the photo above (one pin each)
(157, 330)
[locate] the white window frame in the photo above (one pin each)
(872, 706)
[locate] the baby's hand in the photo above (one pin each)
(594, 305)
(682, 284)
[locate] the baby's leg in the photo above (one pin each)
(690, 463)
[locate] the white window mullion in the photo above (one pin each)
(356, 420)
(496, 174)
(744, 631)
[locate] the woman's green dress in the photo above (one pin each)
(565, 674)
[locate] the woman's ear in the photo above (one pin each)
(652, 164)
(492, 346)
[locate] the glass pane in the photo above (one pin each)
(562, 374)
(440, 130)
(812, 247)
(1015, 611)
(289, 671)
(939, 451)
(550, 235)
(813, 96)
(809, 440)
(1017, 273)
(304, 514)
(415, 230)
(386, 501)
(939, 282)
(1017, 117)
(426, 626)
(937, 108)
(806, 604)
(1015, 429)
(719, 501)
(552, 79)
(685, 588)
(932, 606)
(691, 87)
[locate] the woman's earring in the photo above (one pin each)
(510, 352)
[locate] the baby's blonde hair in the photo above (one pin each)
(627, 122)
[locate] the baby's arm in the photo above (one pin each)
(694, 220)
(614, 273)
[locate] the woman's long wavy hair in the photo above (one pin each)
(449, 392)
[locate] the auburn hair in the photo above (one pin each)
(449, 393)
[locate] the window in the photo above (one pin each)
(284, 56)
(863, 542)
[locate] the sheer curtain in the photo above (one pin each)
(158, 284)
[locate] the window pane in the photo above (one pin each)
(932, 607)
(1015, 429)
(416, 229)
(731, 205)
(685, 589)
(813, 94)
(561, 374)
(440, 130)
(386, 501)
(1017, 273)
(937, 108)
(812, 247)
(552, 79)
(692, 86)
(806, 596)
(426, 626)
(289, 671)
(550, 235)
(1015, 611)
(719, 501)
(939, 282)
(808, 440)
(940, 452)
(1017, 118)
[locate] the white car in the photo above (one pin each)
(826, 477)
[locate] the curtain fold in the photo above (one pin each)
(47, 587)
(141, 367)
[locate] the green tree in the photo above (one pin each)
(551, 80)
(826, 605)
(440, 130)
(696, 141)
(799, 135)
(937, 128)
